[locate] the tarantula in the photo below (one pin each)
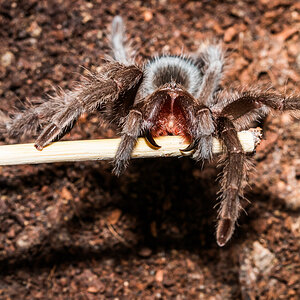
(168, 95)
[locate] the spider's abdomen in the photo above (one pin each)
(172, 69)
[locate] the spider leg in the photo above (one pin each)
(233, 175)
(131, 130)
(212, 58)
(202, 127)
(33, 117)
(203, 133)
(139, 121)
(99, 91)
(121, 47)
(247, 106)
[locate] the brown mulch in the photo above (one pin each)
(74, 231)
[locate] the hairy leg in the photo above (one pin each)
(122, 50)
(27, 122)
(131, 130)
(204, 130)
(247, 106)
(95, 93)
(139, 121)
(234, 172)
(212, 57)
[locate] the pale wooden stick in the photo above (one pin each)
(105, 149)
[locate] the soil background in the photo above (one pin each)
(74, 231)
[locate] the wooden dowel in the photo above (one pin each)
(105, 149)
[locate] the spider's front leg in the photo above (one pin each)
(131, 130)
(139, 121)
(104, 91)
(212, 57)
(98, 91)
(204, 128)
(233, 175)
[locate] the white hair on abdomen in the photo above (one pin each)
(160, 68)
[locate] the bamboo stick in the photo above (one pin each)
(105, 149)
